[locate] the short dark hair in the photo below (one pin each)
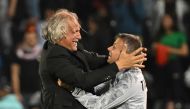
(133, 41)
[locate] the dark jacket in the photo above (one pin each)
(78, 69)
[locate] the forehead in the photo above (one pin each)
(118, 43)
(73, 23)
(30, 35)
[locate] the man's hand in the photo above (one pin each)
(62, 84)
(128, 60)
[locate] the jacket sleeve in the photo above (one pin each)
(94, 59)
(63, 68)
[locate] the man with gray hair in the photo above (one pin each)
(63, 58)
(128, 90)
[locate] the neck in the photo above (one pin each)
(169, 31)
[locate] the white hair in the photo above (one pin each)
(57, 25)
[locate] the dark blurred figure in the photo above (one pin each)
(100, 33)
(176, 8)
(186, 23)
(129, 15)
(105, 36)
(51, 5)
(7, 12)
(89, 39)
(24, 69)
(187, 84)
(18, 22)
(170, 47)
(84, 9)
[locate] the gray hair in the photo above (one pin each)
(133, 41)
(57, 25)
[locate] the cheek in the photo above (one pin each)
(69, 40)
(115, 55)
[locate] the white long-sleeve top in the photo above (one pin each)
(128, 91)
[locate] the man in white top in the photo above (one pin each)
(128, 91)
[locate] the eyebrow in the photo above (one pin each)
(118, 44)
(115, 45)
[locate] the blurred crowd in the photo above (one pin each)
(162, 24)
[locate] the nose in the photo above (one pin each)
(78, 36)
(109, 48)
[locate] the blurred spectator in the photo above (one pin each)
(4, 65)
(7, 100)
(186, 61)
(24, 69)
(148, 23)
(101, 34)
(176, 8)
(129, 15)
(1, 64)
(18, 22)
(89, 40)
(84, 9)
(48, 13)
(7, 11)
(105, 36)
(187, 85)
(187, 77)
(170, 46)
(33, 9)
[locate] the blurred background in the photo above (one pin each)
(163, 25)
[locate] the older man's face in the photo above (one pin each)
(72, 36)
(115, 50)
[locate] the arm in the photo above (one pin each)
(64, 69)
(182, 51)
(15, 72)
(61, 65)
(117, 95)
(129, 86)
(114, 97)
(102, 88)
(94, 60)
(125, 60)
(12, 8)
(122, 94)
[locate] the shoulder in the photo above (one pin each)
(181, 36)
(178, 33)
(133, 75)
(52, 50)
(133, 71)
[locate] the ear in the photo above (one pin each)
(124, 48)
(60, 41)
(64, 37)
